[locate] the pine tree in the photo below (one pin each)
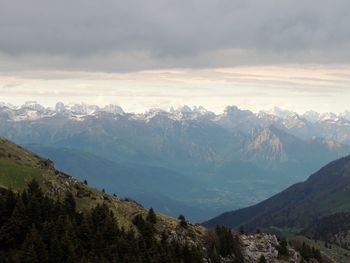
(237, 250)
(56, 253)
(34, 250)
(306, 252)
(226, 241)
(241, 230)
(9, 204)
(151, 216)
(262, 259)
(34, 190)
(19, 221)
(69, 204)
(283, 247)
(214, 257)
(183, 222)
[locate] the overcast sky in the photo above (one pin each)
(142, 54)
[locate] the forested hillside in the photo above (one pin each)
(48, 216)
(35, 228)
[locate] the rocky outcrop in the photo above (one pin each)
(255, 246)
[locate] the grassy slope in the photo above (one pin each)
(18, 166)
(336, 253)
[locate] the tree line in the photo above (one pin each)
(35, 228)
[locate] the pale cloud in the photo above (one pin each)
(141, 54)
(300, 88)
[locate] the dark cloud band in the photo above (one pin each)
(115, 35)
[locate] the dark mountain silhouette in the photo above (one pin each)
(324, 193)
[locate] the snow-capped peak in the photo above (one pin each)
(346, 115)
(115, 109)
(282, 113)
(328, 116)
(33, 105)
(311, 116)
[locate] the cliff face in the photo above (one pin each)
(255, 246)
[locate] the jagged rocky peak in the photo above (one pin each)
(230, 112)
(33, 105)
(329, 126)
(75, 109)
(346, 115)
(282, 113)
(83, 109)
(200, 109)
(181, 113)
(115, 109)
(330, 143)
(60, 107)
(268, 143)
(6, 105)
(328, 116)
(152, 113)
(235, 112)
(311, 116)
(185, 109)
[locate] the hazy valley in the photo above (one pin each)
(202, 163)
(48, 215)
(163, 131)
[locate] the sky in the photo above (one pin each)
(158, 53)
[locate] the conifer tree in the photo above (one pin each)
(34, 250)
(69, 204)
(183, 222)
(151, 216)
(262, 259)
(241, 230)
(283, 247)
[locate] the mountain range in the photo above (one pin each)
(324, 193)
(49, 216)
(213, 162)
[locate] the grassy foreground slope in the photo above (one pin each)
(19, 166)
(332, 252)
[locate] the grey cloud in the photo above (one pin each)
(11, 85)
(116, 35)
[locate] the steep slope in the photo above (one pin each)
(181, 194)
(137, 181)
(183, 154)
(325, 192)
(102, 173)
(333, 229)
(19, 166)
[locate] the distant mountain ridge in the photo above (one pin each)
(308, 125)
(235, 156)
(27, 110)
(324, 193)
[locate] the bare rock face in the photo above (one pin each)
(254, 246)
